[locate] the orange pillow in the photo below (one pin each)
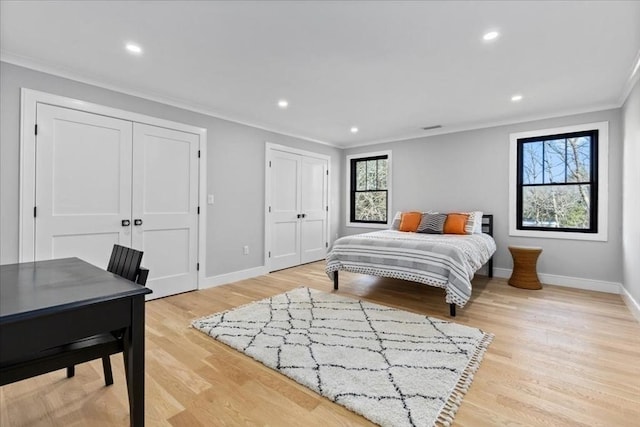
(410, 221)
(455, 223)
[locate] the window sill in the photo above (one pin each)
(362, 225)
(594, 237)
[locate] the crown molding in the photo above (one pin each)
(35, 65)
(632, 80)
(185, 105)
(497, 123)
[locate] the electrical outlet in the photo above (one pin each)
(246, 250)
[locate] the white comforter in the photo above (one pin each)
(443, 260)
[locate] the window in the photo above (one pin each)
(369, 189)
(558, 181)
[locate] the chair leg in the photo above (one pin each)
(108, 375)
(71, 371)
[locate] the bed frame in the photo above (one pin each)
(487, 228)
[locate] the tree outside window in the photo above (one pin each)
(557, 182)
(369, 189)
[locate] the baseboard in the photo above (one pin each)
(569, 282)
(633, 305)
(547, 279)
(234, 276)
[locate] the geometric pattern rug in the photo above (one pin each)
(393, 367)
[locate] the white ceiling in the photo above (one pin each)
(389, 68)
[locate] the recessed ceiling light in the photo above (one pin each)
(491, 35)
(354, 129)
(516, 98)
(134, 48)
(283, 103)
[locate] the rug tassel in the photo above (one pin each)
(451, 406)
(444, 420)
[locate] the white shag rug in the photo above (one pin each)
(393, 367)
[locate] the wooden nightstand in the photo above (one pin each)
(524, 274)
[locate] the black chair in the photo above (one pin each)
(124, 262)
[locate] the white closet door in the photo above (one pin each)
(83, 184)
(165, 203)
(313, 233)
(285, 207)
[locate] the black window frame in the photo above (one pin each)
(353, 188)
(593, 182)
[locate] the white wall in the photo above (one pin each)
(236, 164)
(631, 194)
(465, 170)
(470, 170)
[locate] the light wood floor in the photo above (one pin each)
(560, 357)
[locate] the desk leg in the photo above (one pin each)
(134, 363)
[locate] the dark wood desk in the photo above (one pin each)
(46, 304)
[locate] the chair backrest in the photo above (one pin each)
(142, 277)
(125, 262)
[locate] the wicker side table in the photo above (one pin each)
(524, 274)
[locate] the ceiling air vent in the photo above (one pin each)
(432, 127)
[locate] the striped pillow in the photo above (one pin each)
(432, 223)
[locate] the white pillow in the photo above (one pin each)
(477, 222)
(395, 224)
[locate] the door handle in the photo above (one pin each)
(126, 223)
(304, 215)
(137, 221)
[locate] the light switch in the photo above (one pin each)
(210, 199)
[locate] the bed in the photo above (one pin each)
(442, 260)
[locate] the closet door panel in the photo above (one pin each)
(285, 173)
(314, 207)
(165, 204)
(83, 184)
